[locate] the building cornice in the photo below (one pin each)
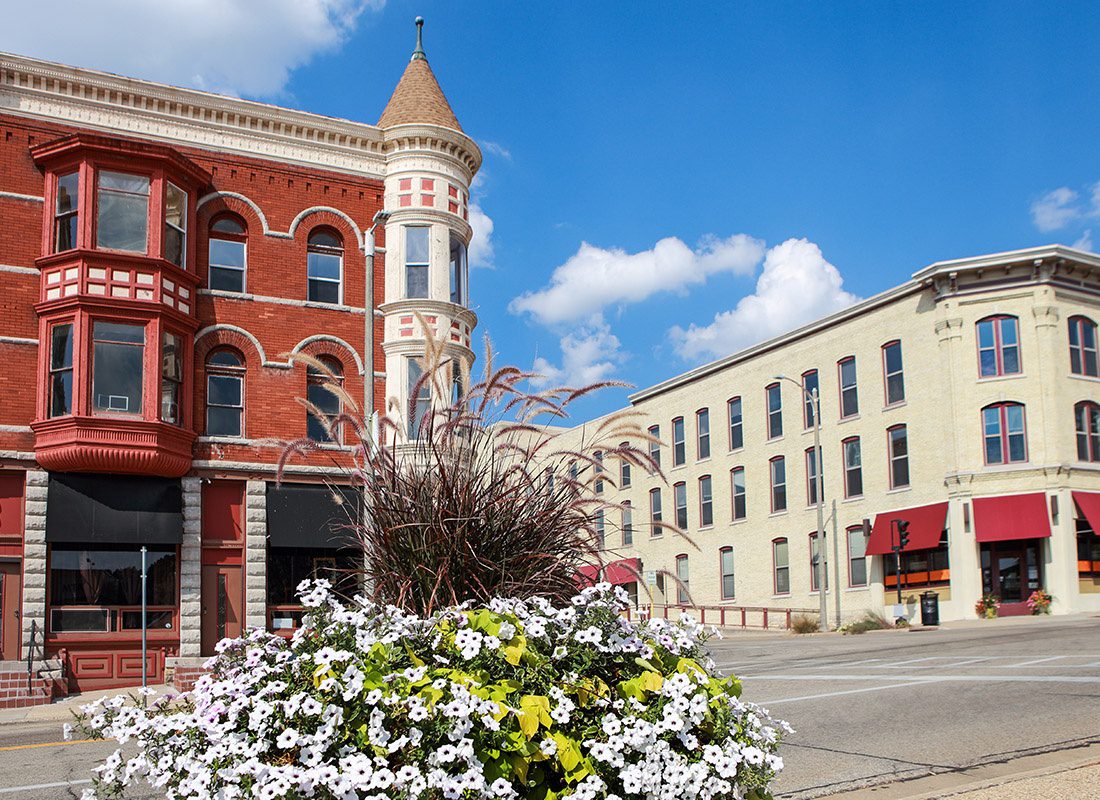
(102, 101)
(1030, 256)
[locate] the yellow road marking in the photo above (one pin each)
(51, 744)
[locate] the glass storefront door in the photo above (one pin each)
(1012, 570)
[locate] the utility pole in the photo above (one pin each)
(836, 566)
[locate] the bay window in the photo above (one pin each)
(171, 378)
(175, 224)
(122, 213)
(417, 260)
(118, 356)
(325, 265)
(224, 394)
(1004, 433)
(66, 220)
(97, 588)
(61, 370)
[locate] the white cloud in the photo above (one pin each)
(229, 46)
(1056, 209)
(481, 252)
(1084, 241)
(590, 353)
(595, 278)
(497, 149)
(797, 285)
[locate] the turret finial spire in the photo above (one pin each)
(418, 53)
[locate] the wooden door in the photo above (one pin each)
(222, 605)
(9, 611)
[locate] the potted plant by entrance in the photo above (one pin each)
(1039, 602)
(987, 607)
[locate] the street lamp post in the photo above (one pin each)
(820, 568)
(380, 218)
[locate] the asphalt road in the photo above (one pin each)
(866, 709)
(891, 705)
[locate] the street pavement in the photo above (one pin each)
(895, 705)
(867, 710)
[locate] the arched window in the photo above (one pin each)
(323, 400)
(1087, 415)
(224, 394)
(781, 566)
(325, 265)
(1082, 346)
(725, 568)
(1004, 432)
(227, 254)
(998, 346)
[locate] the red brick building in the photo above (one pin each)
(166, 255)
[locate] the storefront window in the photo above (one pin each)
(117, 367)
(287, 567)
(1088, 550)
(919, 567)
(98, 589)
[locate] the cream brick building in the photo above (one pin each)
(976, 444)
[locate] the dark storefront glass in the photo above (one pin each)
(89, 586)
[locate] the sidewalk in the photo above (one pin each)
(62, 711)
(1082, 783)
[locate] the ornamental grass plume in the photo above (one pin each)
(479, 497)
(497, 701)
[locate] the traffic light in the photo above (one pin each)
(903, 533)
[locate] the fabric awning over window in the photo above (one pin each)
(587, 576)
(926, 526)
(309, 515)
(1088, 503)
(114, 509)
(1013, 516)
(625, 570)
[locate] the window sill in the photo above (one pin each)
(224, 440)
(702, 460)
(850, 418)
(702, 528)
(1010, 377)
(774, 439)
(735, 450)
(900, 489)
(857, 589)
(892, 406)
(853, 499)
(740, 521)
(1087, 378)
(782, 513)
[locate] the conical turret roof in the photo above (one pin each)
(418, 98)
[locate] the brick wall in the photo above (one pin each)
(287, 196)
(14, 692)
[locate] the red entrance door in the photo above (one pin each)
(222, 605)
(9, 612)
(1011, 571)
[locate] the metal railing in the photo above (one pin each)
(725, 616)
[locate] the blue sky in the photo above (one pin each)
(879, 137)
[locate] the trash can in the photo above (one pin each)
(929, 608)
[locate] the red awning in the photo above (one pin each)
(926, 524)
(1012, 516)
(1089, 505)
(588, 575)
(625, 570)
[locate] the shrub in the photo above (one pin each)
(511, 699)
(482, 500)
(805, 623)
(870, 621)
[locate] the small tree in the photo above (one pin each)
(483, 499)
